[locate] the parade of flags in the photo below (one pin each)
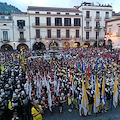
(115, 92)
(86, 83)
(97, 97)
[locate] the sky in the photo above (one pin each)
(23, 4)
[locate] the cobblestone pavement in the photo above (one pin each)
(113, 114)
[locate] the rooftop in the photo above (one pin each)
(114, 19)
(97, 5)
(56, 9)
(115, 14)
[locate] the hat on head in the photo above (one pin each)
(14, 95)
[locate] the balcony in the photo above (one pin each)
(40, 37)
(5, 41)
(43, 25)
(98, 19)
(21, 29)
(104, 28)
(92, 39)
(97, 28)
(77, 39)
(107, 18)
(88, 28)
(22, 40)
(88, 19)
(118, 34)
(55, 38)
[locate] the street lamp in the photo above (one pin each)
(14, 45)
(98, 27)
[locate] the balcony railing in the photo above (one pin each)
(62, 38)
(40, 37)
(53, 25)
(97, 18)
(107, 18)
(97, 28)
(5, 40)
(21, 29)
(22, 40)
(94, 39)
(88, 28)
(88, 19)
(118, 34)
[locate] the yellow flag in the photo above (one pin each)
(97, 97)
(103, 88)
(21, 52)
(115, 93)
(84, 99)
(2, 67)
(13, 57)
(86, 83)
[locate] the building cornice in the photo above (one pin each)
(96, 9)
(51, 15)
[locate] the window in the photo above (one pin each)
(37, 21)
(87, 24)
(97, 14)
(37, 12)
(87, 35)
(2, 17)
(118, 30)
(58, 21)
(76, 21)
(20, 24)
(87, 14)
(10, 18)
(37, 33)
(77, 13)
(58, 34)
(77, 33)
(109, 30)
(48, 21)
(58, 13)
(48, 33)
(67, 33)
(5, 35)
(97, 25)
(67, 13)
(21, 35)
(97, 34)
(67, 21)
(48, 13)
(107, 15)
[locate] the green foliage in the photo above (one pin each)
(8, 9)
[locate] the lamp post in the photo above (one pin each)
(14, 45)
(98, 27)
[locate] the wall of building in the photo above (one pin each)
(114, 35)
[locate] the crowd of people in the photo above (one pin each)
(82, 78)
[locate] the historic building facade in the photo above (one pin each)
(94, 18)
(113, 32)
(61, 27)
(42, 27)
